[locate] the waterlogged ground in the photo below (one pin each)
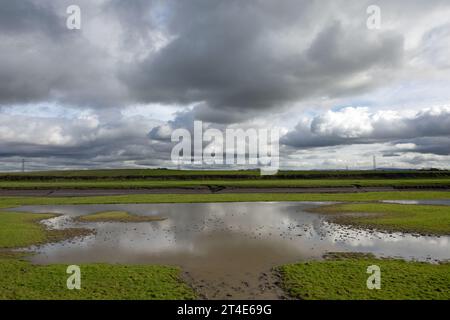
(226, 249)
(429, 202)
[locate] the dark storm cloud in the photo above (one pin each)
(26, 16)
(41, 60)
(232, 57)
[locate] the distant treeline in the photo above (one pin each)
(164, 174)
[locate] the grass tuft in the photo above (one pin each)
(117, 216)
(19, 229)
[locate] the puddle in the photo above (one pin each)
(427, 202)
(226, 249)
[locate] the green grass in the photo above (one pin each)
(22, 280)
(108, 173)
(423, 219)
(237, 183)
(253, 197)
(22, 229)
(345, 278)
(117, 216)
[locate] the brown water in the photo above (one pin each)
(227, 250)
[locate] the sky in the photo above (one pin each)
(108, 95)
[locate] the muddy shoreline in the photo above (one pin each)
(265, 285)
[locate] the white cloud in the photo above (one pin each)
(360, 125)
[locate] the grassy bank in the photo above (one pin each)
(22, 280)
(117, 216)
(234, 183)
(23, 229)
(424, 219)
(345, 278)
(190, 198)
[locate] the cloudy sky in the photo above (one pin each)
(110, 94)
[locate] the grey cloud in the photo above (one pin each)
(25, 16)
(429, 145)
(422, 160)
(163, 132)
(80, 141)
(434, 47)
(229, 58)
(41, 60)
(233, 56)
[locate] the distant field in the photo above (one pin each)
(126, 173)
(249, 183)
(242, 197)
(161, 178)
(164, 174)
